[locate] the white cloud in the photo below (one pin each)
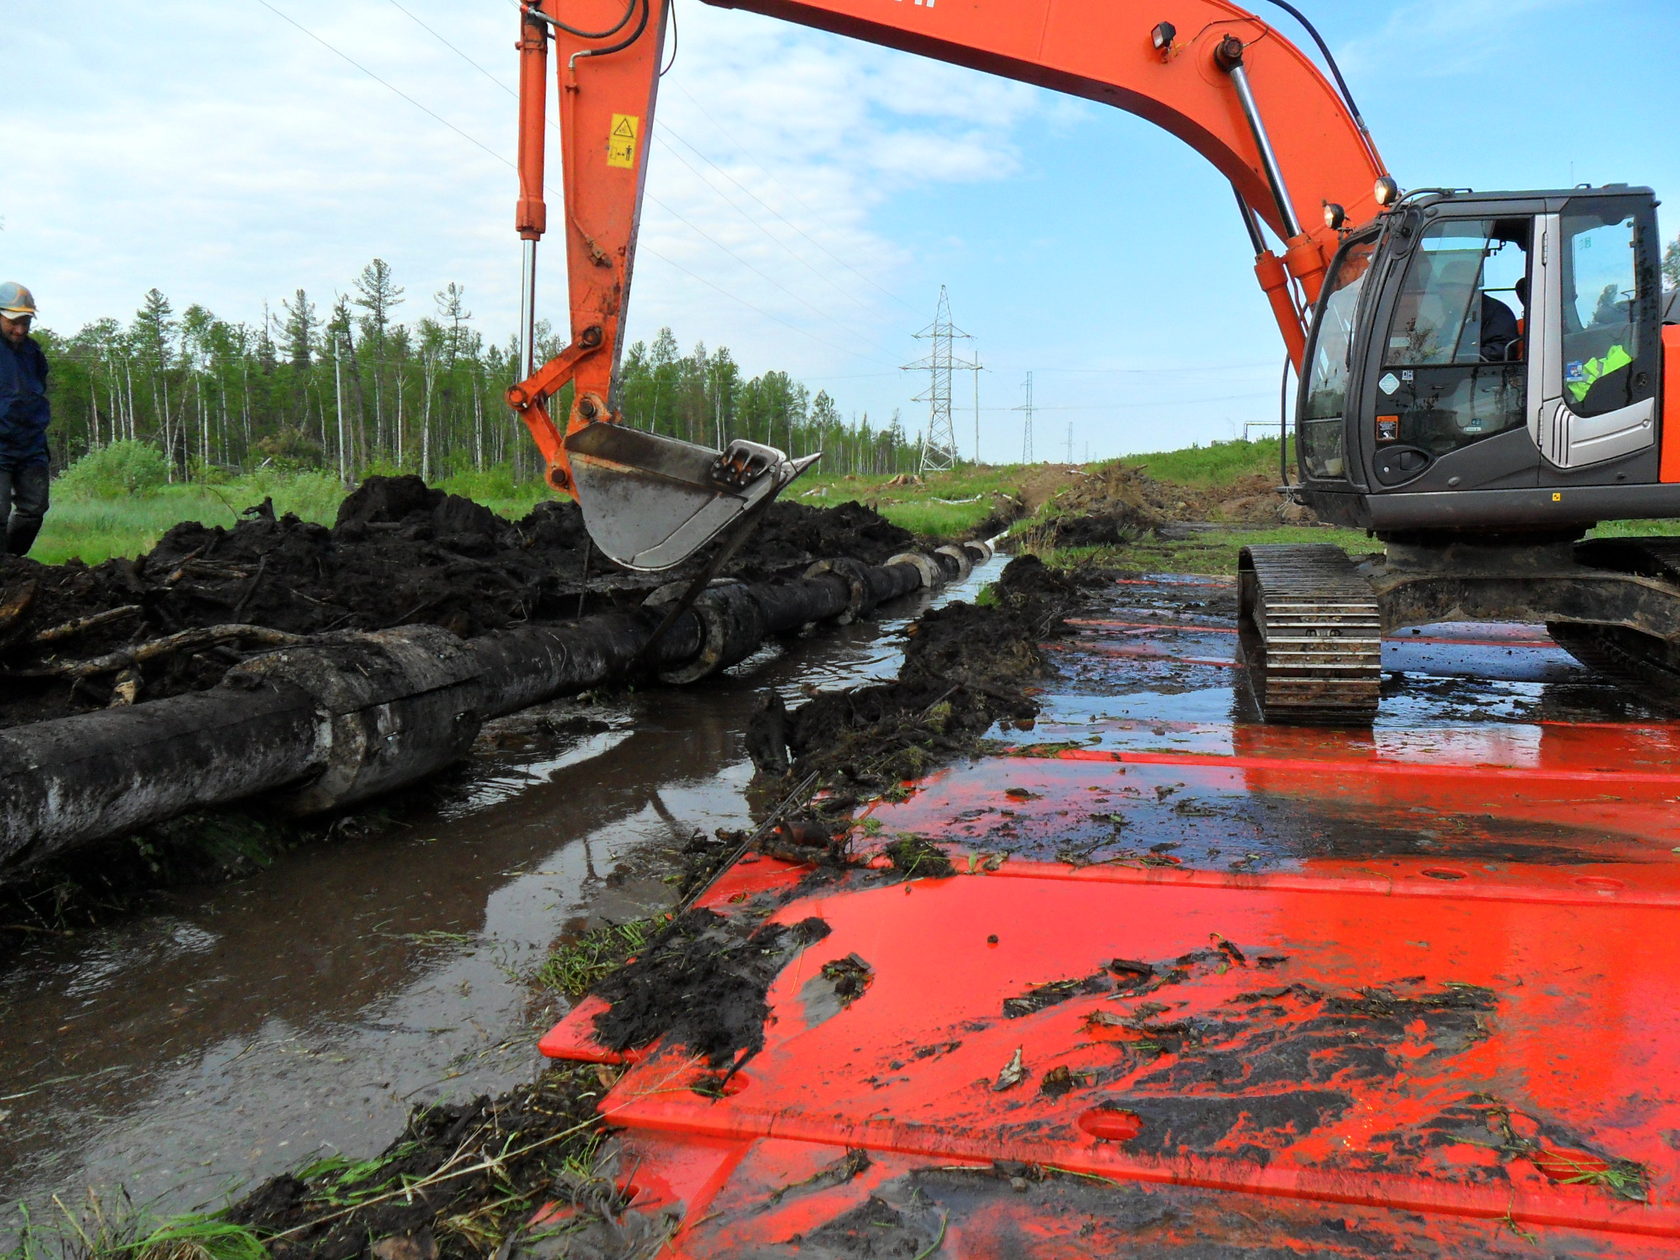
(1431, 39)
(227, 157)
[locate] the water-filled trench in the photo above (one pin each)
(233, 1032)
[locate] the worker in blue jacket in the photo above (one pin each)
(23, 421)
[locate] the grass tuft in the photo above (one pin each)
(574, 969)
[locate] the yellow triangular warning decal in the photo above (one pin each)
(625, 127)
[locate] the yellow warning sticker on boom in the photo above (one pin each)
(621, 145)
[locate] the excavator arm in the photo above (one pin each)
(1214, 75)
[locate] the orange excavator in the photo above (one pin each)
(1153, 991)
(1483, 376)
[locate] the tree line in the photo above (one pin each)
(356, 390)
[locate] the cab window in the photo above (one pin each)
(1600, 302)
(1452, 363)
(1324, 400)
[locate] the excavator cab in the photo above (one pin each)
(1481, 385)
(1488, 361)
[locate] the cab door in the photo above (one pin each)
(1592, 375)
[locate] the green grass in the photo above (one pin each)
(1635, 529)
(574, 969)
(1216, 464)
(337, 1181)
(951, 504)
(944, 505)
(1211, 552)
(94, 529)
(98, 1231)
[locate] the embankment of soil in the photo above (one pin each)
(75, 638)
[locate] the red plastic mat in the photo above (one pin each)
(1287, 992)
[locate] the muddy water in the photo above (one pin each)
(235, 1032)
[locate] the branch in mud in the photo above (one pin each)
(14, 609)
(183, 641)
(81, 625)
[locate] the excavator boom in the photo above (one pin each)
(1204, 70)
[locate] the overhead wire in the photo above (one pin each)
(736, 297)
(809, 266)
(770, 280)
(384, 83)
(671, 210)
(1133, 406)
(720, 129)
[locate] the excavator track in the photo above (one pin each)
(1637, 661)
(1311, 634)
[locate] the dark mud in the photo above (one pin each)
(1020, 1209)
(703, 984)
(705, 981)
(1257, 1071)
(74, 637)
(456, 1181)
(965, 669)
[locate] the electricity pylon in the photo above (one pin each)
(939, 444)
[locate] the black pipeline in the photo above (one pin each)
(348, 716)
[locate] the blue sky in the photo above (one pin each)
(808, 195)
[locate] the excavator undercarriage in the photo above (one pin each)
(1312, 619)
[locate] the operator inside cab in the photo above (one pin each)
(1448, 315)
(1453, 368)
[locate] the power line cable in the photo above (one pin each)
(370, 74)
(736, 297)
(723, 131)
(1133, 406)
(659, 137)
(1158, 371)
(676, 214)
(413, 17)
(770, 280)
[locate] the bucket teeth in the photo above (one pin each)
(652, 501)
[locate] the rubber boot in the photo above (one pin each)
(20, 534)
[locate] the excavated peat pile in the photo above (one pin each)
(965, 667)
(74, 637)
(1113, 504)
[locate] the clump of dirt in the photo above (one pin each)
(458, 1173)
(965, 667)
(1251, 500)
(878, 1228)
(703, 985)
(1040, 996)
(916, 858)
(795, 534)
(400, 553)
(1113, 504)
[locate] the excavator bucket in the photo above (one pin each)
(650, 501)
